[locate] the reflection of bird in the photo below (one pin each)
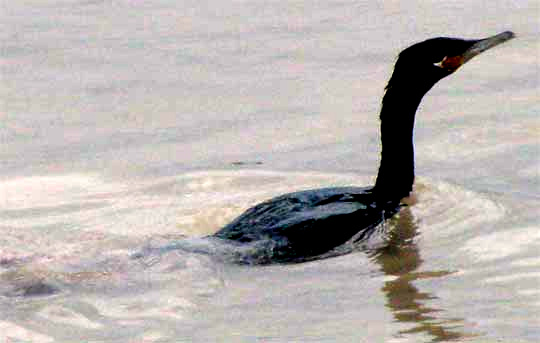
(401, 260)
(299, 226)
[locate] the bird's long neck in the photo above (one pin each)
(396, 171)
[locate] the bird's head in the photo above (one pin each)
(431, 60)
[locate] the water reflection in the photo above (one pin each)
(401, 258)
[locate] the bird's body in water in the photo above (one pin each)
(300, 226)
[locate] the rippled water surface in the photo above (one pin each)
(130, 130)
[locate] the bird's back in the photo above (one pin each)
(305, 224)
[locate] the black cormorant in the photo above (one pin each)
(300, 226)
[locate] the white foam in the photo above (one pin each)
(10, 332)
(447, 209)
(527, 262)
(512, 278)
(43, 191)
(502, 244)
(155, 304)
(532, 171)
(63, 315)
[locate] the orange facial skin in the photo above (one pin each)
(452, 63)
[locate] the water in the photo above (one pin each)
(131, 129)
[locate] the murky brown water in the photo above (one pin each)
(131, 129)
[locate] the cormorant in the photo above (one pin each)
(300, 226)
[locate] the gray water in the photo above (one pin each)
(131, 129)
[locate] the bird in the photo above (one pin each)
(304, 225)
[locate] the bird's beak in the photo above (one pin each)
(454, 62)
(485, 44)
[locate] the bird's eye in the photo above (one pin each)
(440, 64)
